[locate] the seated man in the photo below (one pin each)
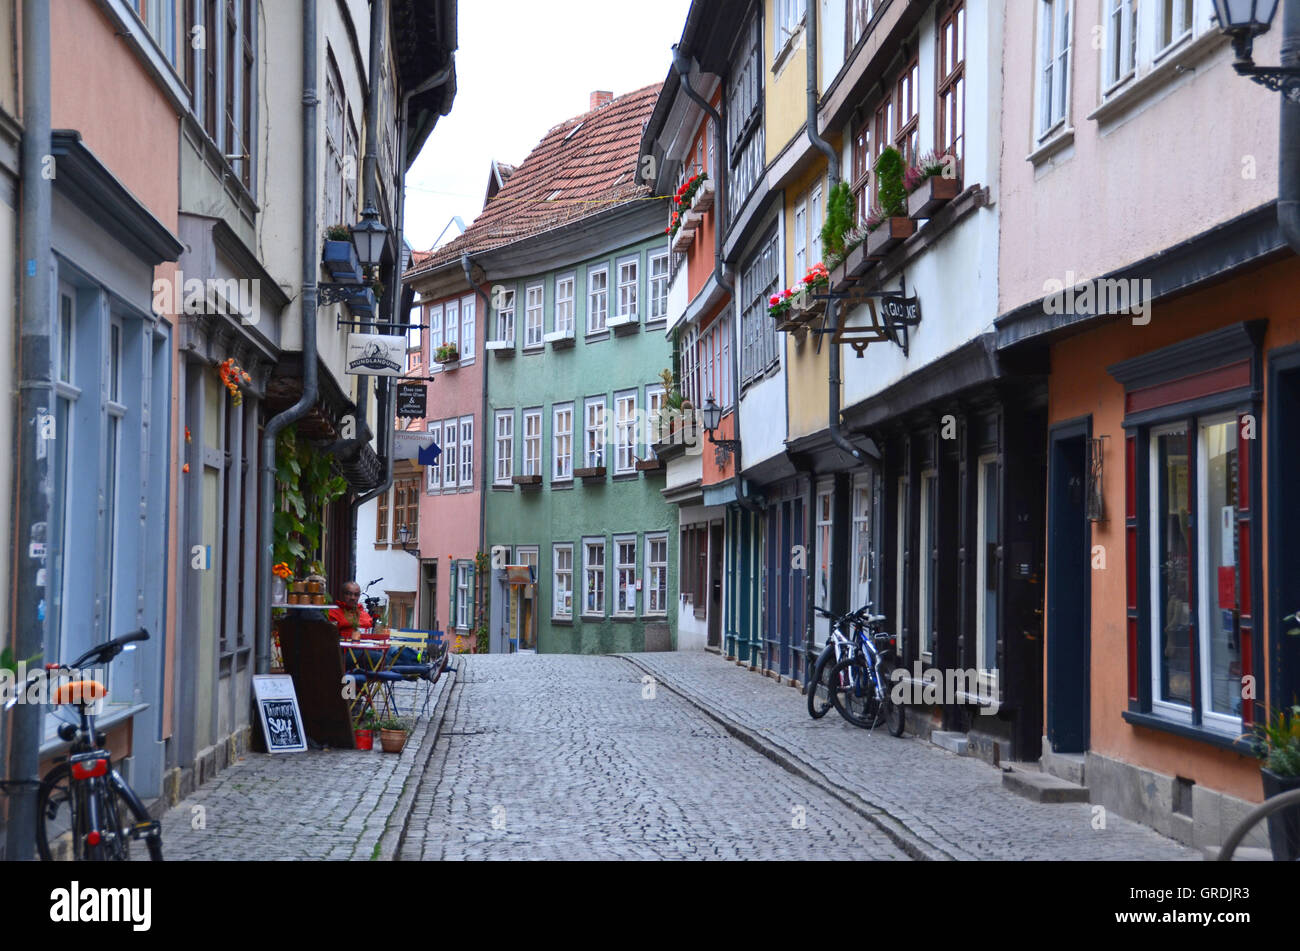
(349, 615)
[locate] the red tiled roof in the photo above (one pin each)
(582, 167)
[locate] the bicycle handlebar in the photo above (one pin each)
(106, 651)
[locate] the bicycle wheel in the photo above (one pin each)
(59, 818)
(819, 697)
(895, 717)
(854, 692)
(130, 814)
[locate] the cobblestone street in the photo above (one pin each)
(577, 757)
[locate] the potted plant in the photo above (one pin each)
(930, 184)
(447, 353)
(393, 732)
(817, 280)
(1279, 749)
(889, 225)
(339, 255)
(780, 304)
(363, 734)
(280, 583)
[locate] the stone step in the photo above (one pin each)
(951, 741)
(1067, 766)
(1043, 787)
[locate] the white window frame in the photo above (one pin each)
(924, 621)
(562, 443)
(625, 576)
(531, 432)
(462, 596)
(435, 329)
(789, 18)
(534, 316)
(451, 324)
(591, 568)
(597, 300)
(450, 456)
(561, 583)
(656, 399)
(505, 447)
(506, 317)
(598, 431)
(654, 570)
(1122, 31)
(1179, 31)
(468, 327)
(1171, 710)
(1205, 607)
(860, 523)
(625, 442)
(466, 451)
(1055, 59)
(433, 481)
(658, 289)
(800, 240)
(988, 675)
(629, 283)
(691, 365)
(814, 226)
(565, 289)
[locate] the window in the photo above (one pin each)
(506, 318)
(861, 571)
(900, 566)
(761, 277)
(627, 288)
(656, 571)
(658, 287)
(815, 224)
(450, 470)
(435, 470)
(505, 444)
(1121, 40)
(532, 442)
(987, 567)
(691, 365)
(1176, 18)
(655, 401)
(381, 520)
(451, 324)
(862, 173)
(410, 515)
(414, 352)
(745, 142)
(951, 135)
(789, 16)
(159, 17)
(928, 558)
(463, 602)
(625, 434)
(564, 305)
(466, 451)
(593, 577)
(595, 429)
(1053, 64)
(562, 442)
(562, 598)
(801, 239)
(625, 575)
(860, 13)
(435, 327)
(597, 299)
(533, 307)
(467, 328)
(907, 112)
(823, 539)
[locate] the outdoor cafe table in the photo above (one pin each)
(369, 655)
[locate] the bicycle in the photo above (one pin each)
(838, 647)
(84, 808)
(1287, 800)
(857, 688)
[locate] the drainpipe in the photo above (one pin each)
(310, 268)
(1288, 177)
(370, 164)
(833, 161)
(35, 395)
(484, 436)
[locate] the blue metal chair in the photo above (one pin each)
(429, 651)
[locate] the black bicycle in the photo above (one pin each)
(859, 685)
(85, 811)
(839, 646)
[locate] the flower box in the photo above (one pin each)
(526, 479)
(692, 220)
(340, 259)
(502, 348)
(559, 339)
(682, 241)
(623, 325)
(448, 358)
(935, 192)
(648, 465)
(891, 233)
(590, 472)
(703, 200)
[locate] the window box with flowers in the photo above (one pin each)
(448, 355)
(685, 216)
(682, 239)
(930, 184)
(702, 201)
(339, 255)
(888, 225)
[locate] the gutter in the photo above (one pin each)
(35, 399)
(484, 439)
(1288, 172)
(310, 270)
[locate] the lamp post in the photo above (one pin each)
(404, 536)
(1242, 21)
(368, 236)
(711, 415)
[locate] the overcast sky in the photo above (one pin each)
(523, 67)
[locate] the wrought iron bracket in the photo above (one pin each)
(723, 448)
(1283, 79)
(893, 327)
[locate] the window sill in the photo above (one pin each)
(1134, 91)
(787, 50)
(562, 621)
(595, 336)
(1057, 142)
(1245, 747)
(534, 349)
(625, 476)
(593, 617)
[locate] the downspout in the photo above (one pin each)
(1288, 173)
(484, 438)
(833, 163)
(35, 398)
(310, 268)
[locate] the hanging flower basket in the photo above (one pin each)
(233, 378)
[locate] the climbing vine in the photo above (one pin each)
(305, 483)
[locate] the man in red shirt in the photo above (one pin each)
(349, 615)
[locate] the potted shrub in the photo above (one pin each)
(339, 255)
(1279, 749)
(363, 734)
(888, 225)
(393, 732)
(839, 221)
(930, 184)
(447, 353)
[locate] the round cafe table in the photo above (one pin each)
(368, 656)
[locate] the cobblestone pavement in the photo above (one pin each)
(944, 804)
(561, 757)
(327, 804)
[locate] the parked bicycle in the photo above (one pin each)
(85, 810)
(860, 683)
(839, 646)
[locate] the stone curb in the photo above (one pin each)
(394, 835)
(877, 815)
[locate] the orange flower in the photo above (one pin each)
(185, 468)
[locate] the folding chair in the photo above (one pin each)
(431, 660)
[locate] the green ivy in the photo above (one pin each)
(890, 191)
(839, 221)
(305, 483)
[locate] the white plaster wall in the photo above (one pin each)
(399, 569)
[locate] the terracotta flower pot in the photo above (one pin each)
(392, 741)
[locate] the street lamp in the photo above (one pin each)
(711, 416)
(368, 236)
(404, 536)
(1242, 21)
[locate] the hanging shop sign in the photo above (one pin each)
(376, 355)
(412, 400)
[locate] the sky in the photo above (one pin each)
(523, 67)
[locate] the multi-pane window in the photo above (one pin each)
(562, 587)
(823, 543)
(595, 432)
(532, 442)
(951, 133)
(410, 516)
(463, 603)
(655, 400)
(800, 240)
(908, 112)
(506, 318)
(435, 470)
(814, 225)
(860, 13)
(862, 172)
(744, 116)
(564, 305)
(562, 442)
(451, 324)
(593, 577)
(597, 299)
(1176, 20)
(466, 451)
(625, 574)
(658, 287)
(627, 288)
(467, 327)
(928, 556)
(860, 570)
(691, 365)
(625, 432)
(450, 467)
(533, 311)
(1121, 39)
(760, 279)
(1053, 64)
(986, 565)
(789, 15)
(656, 570)
(381, 519)
(505, 446)
(435, 328)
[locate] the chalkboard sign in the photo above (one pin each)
(411, 400)
(277, 704)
